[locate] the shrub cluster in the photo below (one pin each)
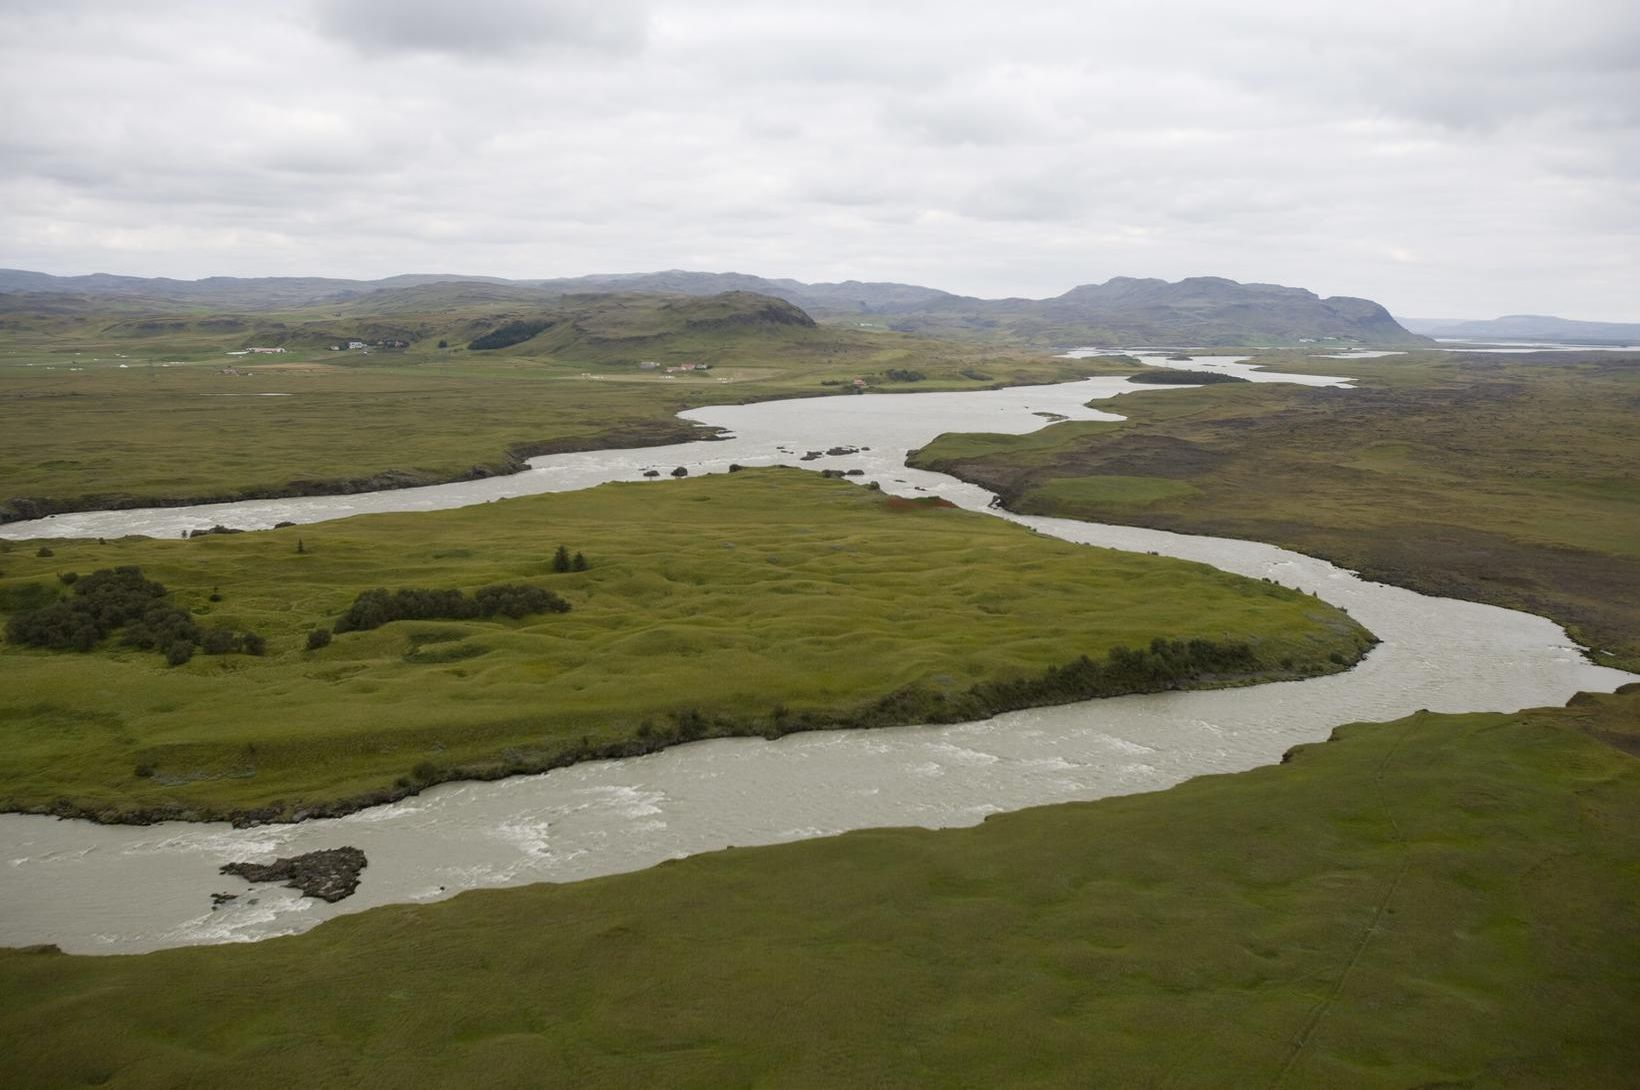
(122, 598)
(895, 374)
(374, 608)
(101, 602)
(510, 334)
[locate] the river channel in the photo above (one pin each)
(122, 889)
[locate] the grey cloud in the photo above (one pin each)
(486, 28)
(1041, 198)
(1461, 157)
(969, 117)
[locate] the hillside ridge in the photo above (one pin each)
(1200, 310)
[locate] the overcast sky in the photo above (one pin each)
(1449, 158)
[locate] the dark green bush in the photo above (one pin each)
(101, 602)
(374, 608)
(122, 599)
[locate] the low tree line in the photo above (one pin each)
(374, 608)
(1165, 664)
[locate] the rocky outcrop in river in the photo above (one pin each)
(329, 875)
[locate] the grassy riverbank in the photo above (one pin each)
(1441, 900)
(759, 602)
(1494, 478)
(117, 410)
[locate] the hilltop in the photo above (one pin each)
(1197, 311)
(1201, 310)
(591, 328)
(418, 384)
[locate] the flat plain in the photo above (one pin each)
(1499, 479)
(174, 418)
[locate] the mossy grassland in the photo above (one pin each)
(105, 409)
(756, 602)
(1500, 479)
(1441, 900)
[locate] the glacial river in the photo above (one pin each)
(119, 889)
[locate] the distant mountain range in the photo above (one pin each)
(1527, 327)
(1198, 311)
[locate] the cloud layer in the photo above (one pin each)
(1456, 158)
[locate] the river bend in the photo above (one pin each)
(118, 889)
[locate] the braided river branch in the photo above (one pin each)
(117, 889)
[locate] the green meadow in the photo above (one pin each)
(1445, 900)
(762, 601)
(118, 408)
(1494, 478)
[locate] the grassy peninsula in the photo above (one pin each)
(761, 602)
(1441, 900)
(1503, 479)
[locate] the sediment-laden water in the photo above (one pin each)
(109, 889)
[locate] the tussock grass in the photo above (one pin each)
(708, 603)
(1500, 479)
(1441, 900)
(105, 410)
